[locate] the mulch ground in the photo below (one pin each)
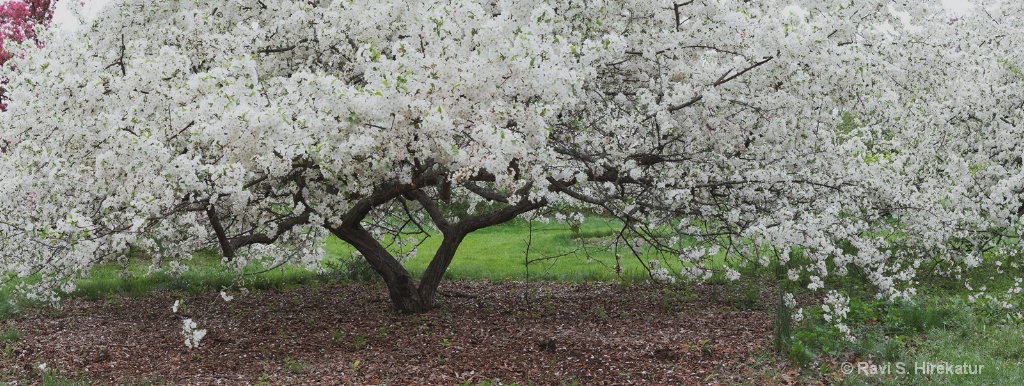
(588, 334)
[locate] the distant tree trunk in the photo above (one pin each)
(783, 337)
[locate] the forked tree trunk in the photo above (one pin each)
(406, 294)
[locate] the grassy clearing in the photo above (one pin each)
(499, 253)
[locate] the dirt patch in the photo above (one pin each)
(347, 334)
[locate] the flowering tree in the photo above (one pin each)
(708, 128)
(18, 20)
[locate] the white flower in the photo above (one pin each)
(661, 275)
(815, 283)
(793, 274)
(732, 275)
(789, 300)
(225, 296)
(193, 334)
(174, 308)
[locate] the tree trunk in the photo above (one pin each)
(439, 264)
(783, 334)
(406, 295)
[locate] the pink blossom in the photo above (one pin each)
(18, 19)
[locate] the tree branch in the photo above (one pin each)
(226, 247)
(431, 207)
(274, 50)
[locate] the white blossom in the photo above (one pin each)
(790, 301)
(193, 334)
(732, 275)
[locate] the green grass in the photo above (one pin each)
(10, 336)
(296, 366)
(54, 378)
(498, 253)
(10, 304)
(205, 274)
(991, 348)
(940, 327)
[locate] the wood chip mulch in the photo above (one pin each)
(587, 334)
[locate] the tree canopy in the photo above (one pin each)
(867, 136)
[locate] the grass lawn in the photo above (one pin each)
(499, 253)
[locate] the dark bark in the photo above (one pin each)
(439, 264)
(407, 295)
(402, 288)
(230, 245)
(226, 248)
